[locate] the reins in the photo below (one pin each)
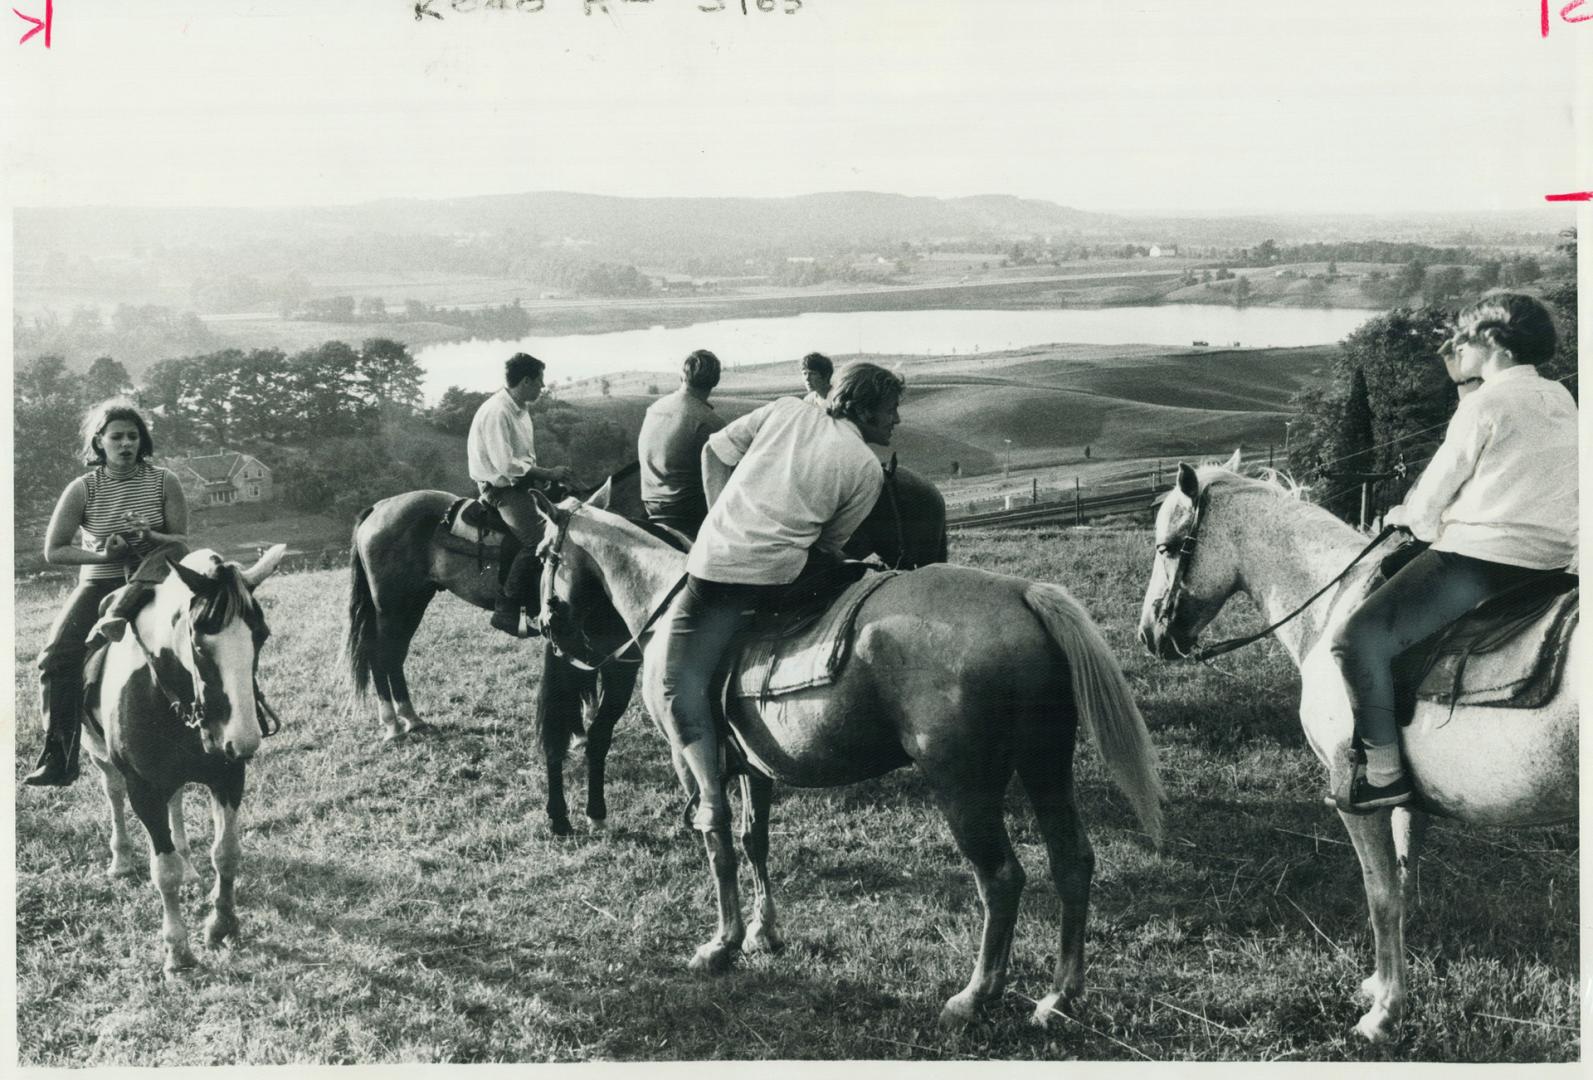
(551, 562)
(1186, 548)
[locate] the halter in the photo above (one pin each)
(1186, 549)
(551, 559)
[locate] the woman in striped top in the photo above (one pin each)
(130, 516)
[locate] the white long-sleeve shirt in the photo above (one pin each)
(502, 442)
(803, 479)
(1503, 486)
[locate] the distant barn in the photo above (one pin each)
(222, 478)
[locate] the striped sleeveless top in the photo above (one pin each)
(110, 500)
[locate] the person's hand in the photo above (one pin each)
(563, 474)
(134, 527)
(116, 548)
(1396, 517)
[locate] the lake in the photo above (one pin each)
(478, 365)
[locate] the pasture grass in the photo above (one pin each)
(405, 902)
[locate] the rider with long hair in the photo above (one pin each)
(803, 480)
(130, 515)
(1496, 505)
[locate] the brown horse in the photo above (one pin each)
(969, 675)
(397, 566)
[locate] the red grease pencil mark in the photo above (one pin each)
(46, 24)
(1565, 15)
(1571, 196)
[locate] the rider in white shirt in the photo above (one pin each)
(803, 480)
(503, 462)
(1497, 505)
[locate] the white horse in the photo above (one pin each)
(175, 704)
(1486, 765)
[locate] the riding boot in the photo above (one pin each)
(57, 765)
(518, 587)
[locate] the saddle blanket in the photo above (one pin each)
(1512, 662)
(785, 661)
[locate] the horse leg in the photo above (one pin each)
(1410, 827)
(975, 816)
(165, 870)
(558, 703)
(179, 838)
(226, 855)
(1374, 846)
(757, 794)
(1072, 861)
(395, 629)
(116, 797)
(614, 688)
(718, 953)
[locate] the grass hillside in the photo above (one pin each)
(1123, 402)
(404, 902)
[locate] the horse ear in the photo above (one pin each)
(1188, 483)
(198, 584)
(1232, 464)
(264, 568)
(545, 507)
(600, 498)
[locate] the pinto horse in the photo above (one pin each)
(969, 675)
(1476, 763)
(175, 704)
(396, 567)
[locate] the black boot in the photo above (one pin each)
(518, 588)
(57, 766)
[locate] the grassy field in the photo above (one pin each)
(406, 903)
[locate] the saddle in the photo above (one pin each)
(1510, 652)
(472, 522)
(805, 638)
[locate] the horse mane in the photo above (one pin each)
(1265, 478)
(230, 600)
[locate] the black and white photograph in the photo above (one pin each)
(795, 531)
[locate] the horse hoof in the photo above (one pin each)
(1050, 1007)
(1376, 1026)
(122, 867)
(219, 929)
(179, 965)
(597, 825)
(959, 1012)
(1372, 986)
(560, 826)
(392, 734)
(418, 727)
(714, 958)
(761, 939)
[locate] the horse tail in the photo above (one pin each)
(362, 641)
(1103, 700)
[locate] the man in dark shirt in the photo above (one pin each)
(670, 446)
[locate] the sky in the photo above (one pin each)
(1195, 106)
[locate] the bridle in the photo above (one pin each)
(1185, 549)
(191, 712)
(554, 606)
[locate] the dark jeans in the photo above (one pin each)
(685, 516)
(1432, 591)
(701, 629)
(60, 662)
